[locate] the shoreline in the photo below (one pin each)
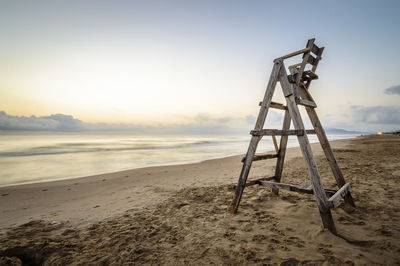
(131, 169)
(86, 200)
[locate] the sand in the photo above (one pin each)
(177, 214)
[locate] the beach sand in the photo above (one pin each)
(178, 214)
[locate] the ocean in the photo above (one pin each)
(27, 157)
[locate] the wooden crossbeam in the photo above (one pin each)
(305, 102)
(275, 105)
(339, 195)
(309, 75)
(312, 60)
(296, 188)
(258, 157)
(315, 49)
(302, 51)
(257, 181)
(273, 132)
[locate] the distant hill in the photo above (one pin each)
(331, 130)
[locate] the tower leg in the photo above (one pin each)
(254, 139)
(244, 174)
(323, 140)
(312, 168)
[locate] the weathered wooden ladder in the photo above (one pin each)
(295, 89)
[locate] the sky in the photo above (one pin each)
(183, 63)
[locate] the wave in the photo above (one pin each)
(88, 148)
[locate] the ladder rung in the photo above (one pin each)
(315, 49)
(302, 188)
(339, 195)
(258, 157)
(312, 60)
(305, 102)
(273, 132)
(257, 181)
(309, 75)
(275, 105)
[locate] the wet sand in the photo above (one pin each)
(178, 214)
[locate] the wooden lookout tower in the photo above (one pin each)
(295, 87)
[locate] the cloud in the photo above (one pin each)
(201, 124)
(393, 90)
(376, 114)
(251, 119)
(57, 122)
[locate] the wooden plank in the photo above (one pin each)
(312, 168)
(278, 106)
(339, 195)
(258, 157)
(305, 102)
(315, 49)
(257, 181)
(272, 132)
(311, 60)
(275, 105)
(255, 139)
(282, 151)
(275, 144)
(310, 43)
(294, 188)
(302, 51)
(319, 57)
(330, 192)
(309, 75)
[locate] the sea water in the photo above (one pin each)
(27, 157)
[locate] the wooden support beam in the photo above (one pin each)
(311, 60)
(275, 105)
(310, 75)
(315, 49)
(273, 132)
(307, 103)
(339, 195)
(257, 181)
(302, 51)
(258, 157)
(275, 144)
(282, 151)
(305, 147)
(301, 69)
(262, 115)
